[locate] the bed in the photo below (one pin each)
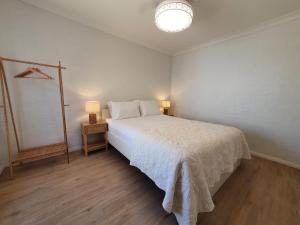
(188, 160)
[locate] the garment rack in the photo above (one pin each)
(38, 152)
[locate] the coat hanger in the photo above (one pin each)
(32, 70)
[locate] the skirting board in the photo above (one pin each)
(260, 155)
(275, 159)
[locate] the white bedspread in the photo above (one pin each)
(183, 157)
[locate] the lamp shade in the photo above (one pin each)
(166, 104)
(92, 106)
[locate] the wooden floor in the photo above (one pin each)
(104, 189)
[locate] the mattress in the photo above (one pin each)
(123, 146)
(187, 159)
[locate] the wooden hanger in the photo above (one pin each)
(31, 70)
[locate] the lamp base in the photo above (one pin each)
(166, 111)
(92, 118)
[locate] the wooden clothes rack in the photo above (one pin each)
(38, 152)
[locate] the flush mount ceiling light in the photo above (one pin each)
(173, 15)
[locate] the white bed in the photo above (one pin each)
(189, 160)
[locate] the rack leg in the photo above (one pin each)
(11, 172)
(5, 85)
(9, 150)
(62, 103)
(68, 159)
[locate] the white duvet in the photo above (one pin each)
(184, 158)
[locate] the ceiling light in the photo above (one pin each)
(173, 15)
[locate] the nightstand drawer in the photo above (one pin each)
(95, 129)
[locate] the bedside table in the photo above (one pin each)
(87, 129)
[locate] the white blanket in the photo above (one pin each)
(184, 158)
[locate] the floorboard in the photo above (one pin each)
(104, 189)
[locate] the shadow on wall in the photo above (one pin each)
(75, 114)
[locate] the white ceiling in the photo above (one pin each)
(134, 19)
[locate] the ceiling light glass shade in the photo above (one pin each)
(173, 15)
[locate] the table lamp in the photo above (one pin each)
(92, 107)
(165, 104)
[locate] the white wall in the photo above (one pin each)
(100, 67)
(252, 82)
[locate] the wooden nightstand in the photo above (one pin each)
(100, 128)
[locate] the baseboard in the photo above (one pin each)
(258, 154)
(275, 159)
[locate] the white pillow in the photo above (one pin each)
(149, 108)
(123, 110)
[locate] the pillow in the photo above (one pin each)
(123, 110)
(149, 108)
